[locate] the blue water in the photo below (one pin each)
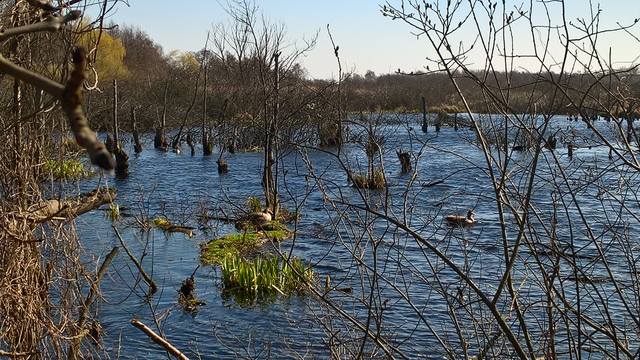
(179, 186)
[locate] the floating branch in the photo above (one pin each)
(159, 340)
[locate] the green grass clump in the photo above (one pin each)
(216, 250)
(67, 169)
(241, 244)
(264, 277)
(374, 182)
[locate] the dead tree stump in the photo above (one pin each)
(405, 160)
(190, 143)
(110, 143)
(122, 163)
(425, 125)
(223, 166)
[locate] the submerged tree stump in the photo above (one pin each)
(425, 124)
(122, 159)
(551, 142)
(160, 141)
(110, 143)
(207, 145)
(122, 163)
(190, 143)
(223, 166)
(405, 161)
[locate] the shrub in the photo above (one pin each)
(67, 169)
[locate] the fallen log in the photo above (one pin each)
(159, 340)
(68, 209)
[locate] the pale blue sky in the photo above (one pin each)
(367, 40)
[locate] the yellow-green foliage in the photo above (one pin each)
(253, 204)
(68, 169)
(114, 212)
(110, 53)
(241, 244)
(375, 182)
(264, 275)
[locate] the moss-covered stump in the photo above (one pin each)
(242, 244)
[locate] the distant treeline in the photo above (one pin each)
(523, 92)
(233, 92)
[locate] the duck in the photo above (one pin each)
(459, 220)
(256, 219)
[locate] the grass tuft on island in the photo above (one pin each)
(242, 244)
(259, 279)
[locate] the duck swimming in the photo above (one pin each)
(459, 220)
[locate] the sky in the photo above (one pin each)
(367, 40)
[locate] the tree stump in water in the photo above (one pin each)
(160, 141)
(551, 142)
(442, 116)
(110, 143)
(405, 161)
(207, 146)
(190, 143)
(223, 167)
(122, 163)
(137, 145)
(425, 124)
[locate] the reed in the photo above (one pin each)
(375, 181)
(266, 276)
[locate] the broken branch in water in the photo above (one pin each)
(152, 285)
(159, 340)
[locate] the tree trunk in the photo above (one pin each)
(122, 159)
(136, 136)
(160, 142)
(405, 161)
(425, 124)
(270, 151)
(116, 132)
(207, 147)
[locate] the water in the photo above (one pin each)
(176, 186)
